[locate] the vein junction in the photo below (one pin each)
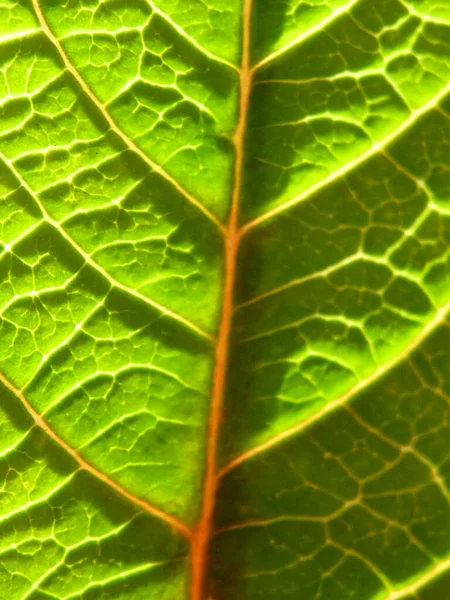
(111, 280)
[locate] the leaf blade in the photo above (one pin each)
(129, 137)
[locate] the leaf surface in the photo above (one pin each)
(224, 296)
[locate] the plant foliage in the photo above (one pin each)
(224, 296)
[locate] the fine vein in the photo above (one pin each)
(204, 527)
(363, 384)
(112, 124)
(183, 33)
(97, 267)
(178, 525)
(334, 14)
(376, 148)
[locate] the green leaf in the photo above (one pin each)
(224, 297)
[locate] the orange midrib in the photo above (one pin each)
(202, 533)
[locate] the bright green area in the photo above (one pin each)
(356, 506)
(115, 174)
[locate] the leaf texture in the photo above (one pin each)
(224, 297)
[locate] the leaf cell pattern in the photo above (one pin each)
(224, 297)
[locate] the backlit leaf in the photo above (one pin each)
(224, 297)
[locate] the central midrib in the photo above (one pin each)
(202, 532)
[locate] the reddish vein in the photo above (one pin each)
(202, 532)
(112, 124)
(179, 526)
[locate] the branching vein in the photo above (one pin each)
(112, 124)
(178, 525)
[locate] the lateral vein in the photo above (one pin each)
(363, 384)
(91, 262)
(350, 166)
(334, 14)
(178, 525)
(189, 38)
(420, 582)
(113, 125)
